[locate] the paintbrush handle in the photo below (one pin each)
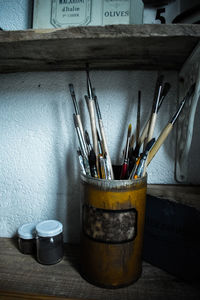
(105, 147)
(152, 124)
(164, 134)
(79, 122)
(144, 134)
(134, 168)
(93, 129)
(124, 170)
(144, 168)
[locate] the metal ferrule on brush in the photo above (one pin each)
(107, 166)
(80, 138)
(81, 161)
(103, 167)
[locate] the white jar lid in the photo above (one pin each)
(49, 228)
(27, 231)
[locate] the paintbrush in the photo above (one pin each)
(80, 137)
(164, 92)
(132, 141)
(81, 161)
(164, 134)
(104, 142)
(103, 168)
(92, 163)
(131, 155)
(108, 171)
(137, 145)
(105, 172)
(77, 113)
(140, 161)
(100, 144)
(83, 152)
(91, 109)
(132, 173)
(141, 168)
(87, 139)
(124, 169)
(138, 119)
(91, 156)
(90, 103)
(159, 86)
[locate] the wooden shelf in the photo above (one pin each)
(141, 47)
(21, 275)
(182, 194)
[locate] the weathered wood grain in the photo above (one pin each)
(142, 47)
(23, 274)
(22, 296)
(187, 195)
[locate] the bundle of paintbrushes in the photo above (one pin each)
(94, 156)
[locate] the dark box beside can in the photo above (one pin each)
(172, 237)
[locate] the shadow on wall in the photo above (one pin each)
(68, 187)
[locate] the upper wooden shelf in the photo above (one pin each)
(141, 47)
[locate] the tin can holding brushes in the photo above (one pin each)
(113, 214)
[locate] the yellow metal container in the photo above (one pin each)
(113, 214)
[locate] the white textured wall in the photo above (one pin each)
(39, 171)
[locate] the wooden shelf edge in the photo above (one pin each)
(113, 47)
(100, 32)
(183, 194)
(4, 295)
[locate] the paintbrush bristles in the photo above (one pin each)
(165, 90)
(71, 88)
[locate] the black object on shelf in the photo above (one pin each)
(172, 238)
(157, 2)
(189, 16)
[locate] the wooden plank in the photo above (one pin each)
(142, 47)
(23, 274)
(22, 296)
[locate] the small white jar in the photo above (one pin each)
(26, 238)
(49, 242)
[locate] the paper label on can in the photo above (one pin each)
(70, 12)
(109, 226)
(116, 12)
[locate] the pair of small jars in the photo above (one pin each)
(45, 239)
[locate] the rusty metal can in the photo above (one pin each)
(113, 215)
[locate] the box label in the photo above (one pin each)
(116, 12)
(70, 12)
(109, 226)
